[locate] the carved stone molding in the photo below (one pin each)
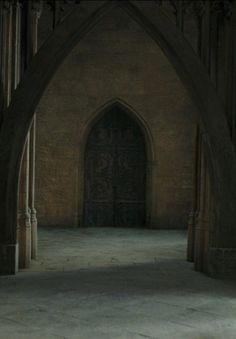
(222, 7)
(199, 8)
(61, 4)
(222, 262)
(7, 4)
(37, 7)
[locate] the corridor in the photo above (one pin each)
(113, 283)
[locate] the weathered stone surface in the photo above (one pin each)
(116, 60)
(9, 258)
(222, 262)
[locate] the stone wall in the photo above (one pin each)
(115, 61)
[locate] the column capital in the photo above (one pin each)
(17, 3)
(33, 215)
(37, 7)
(222, 7)
(7, 4)
(199, 8)
(24, 216)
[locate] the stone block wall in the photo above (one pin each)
(117, 60)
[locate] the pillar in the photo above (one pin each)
(180, 14)
(16, 36)
(194, 211)
(202, 228)
(33, 17)
(33, 11)
(6, 50)
(205, 52)
(34, 222)
(24, 222)
(8, 61)
(206, 219)
(231, 90)
(199, 232)
(24, 212)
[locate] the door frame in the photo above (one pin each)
(150, 192)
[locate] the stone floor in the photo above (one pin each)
(115, 284)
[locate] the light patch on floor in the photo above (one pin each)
(72, 249)
(115, 284)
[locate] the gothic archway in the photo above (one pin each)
(115, 170)
(44, 65)
(151, 160)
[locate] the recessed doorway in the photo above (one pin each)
(115, 172)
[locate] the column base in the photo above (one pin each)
(222, 262)
(9, 259)
(34, 234)
(24, 239)
(201, 243)
(191, 236)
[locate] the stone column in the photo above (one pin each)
(231, 90)
(16, 37)
(35, 10)
(16, 57)
(1, 65)
(151, 193)
(193, 212)
(180, 14)
(28, 240)
(206, 219)
(196, 233)
(6, 51)
(24, 222)
(204, 41)
(208, 49)
(204, 216)
(56, 13)
(200, 218)
(9, 246)
(34, 223)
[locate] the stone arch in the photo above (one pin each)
(190, 70)
(151, 156)
(131, 111)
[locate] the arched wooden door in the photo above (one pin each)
(115, 172)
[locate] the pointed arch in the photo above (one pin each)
(151, 161)
(132, 112)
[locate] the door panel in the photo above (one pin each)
(115, 172)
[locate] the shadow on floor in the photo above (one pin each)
(163, 277)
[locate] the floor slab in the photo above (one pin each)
(115, 284)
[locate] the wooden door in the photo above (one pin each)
(115, 172)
